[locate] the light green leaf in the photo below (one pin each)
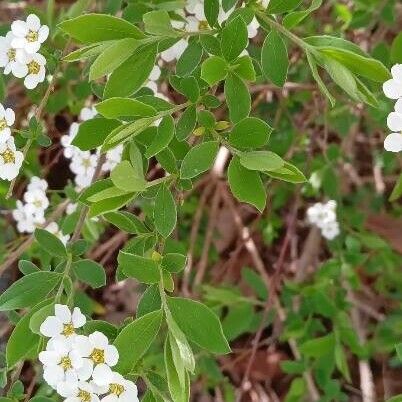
(143, 269)
(143, 330)
(237, 98)
(318, 346)
(49, 242)
(126, 178)
(274, 59)
(158, 23)
(261, 160)
(91, 28)
(186, 123)
(246, 185)
(126, 221)
(244, 68)
(211, 11)
(29, 290)
(199, 159)
(110, 204)
(166, 131)
(282, 6)
(250, 133)
(165, 213)
(213, 70)
(150, 301)
(114, 108)
(183, 312)
(288, 173)
(174, 262)
(90, 272)
(293, 19)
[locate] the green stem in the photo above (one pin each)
(65, 274)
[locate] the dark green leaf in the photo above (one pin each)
(234, 38)
(143, 269)
(165, 213)
(237, 98)
(250, 132)
(199, 159)
(50, 243)
(90, 272)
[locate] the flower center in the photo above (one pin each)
(98, 356)
(116, 389)
(68, 329)
(32, 36)
(85, 396)
(3, 124)
(65, 363)
(202, 25)
(11, 54)
(86, 163)
(38, 204)
(33, 67)
(8, 156)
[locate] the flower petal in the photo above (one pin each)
(393, 142)
(51, 327)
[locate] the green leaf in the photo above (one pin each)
(92, 133)
(237, 98)
(211, 11)
(126, 221)
(183, 312)
(246, 185)
(397, 191)
(90, 272)
(165, 213)
(293, 19)
(129, 77)
(87, 52)
(190, 89)
(108, 193)
(174, 262)
(282, 6)
(150, 301)
(213, 70)
(22, 340)
(250, 132)
(27, 267)
(115, 108)
(397, 398)
(166, 131)
(186, 123)
(333, 41)
(360, 65)
(135, 339)
(112, 57)
(274, 59)
(110, 204)
(396, 49)
(199, 159)
(158, 23)
(288, 173)
(261, 160)
(50, 243)
(244, 68)
(319, 346)
(40, 315)
(91, 28)
(143, 269)
(189, 60)
(234, 38)
(126, 178)
(29, 290)
(102, 326)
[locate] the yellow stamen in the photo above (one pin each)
(98, 356)
(116, 389)
(65, 363)
(32, 36)
(202, 25)
(68, 329)
(8, 156)
(3, 124)
(11, 54)
(33, 67)
(85, 396)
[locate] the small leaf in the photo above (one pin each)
(150, 301)
(261, 160)
(213, 70)
(288, 172)
(50, 243)
(274, 59)
(174, 262)
(143, 330)
(90, 272)
(199, 159)
(186, 123)
(211, 11)
(189, 60)
(158, 23)
(143, 269)
(282, 6)
(234, 38)
(166, 131)
(115, 108)
(125, 178)
(249, 133)
(237, 97)
(165, 213)
(126, 221)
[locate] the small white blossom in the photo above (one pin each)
(8, 55)
(27, 221)
(119, 390)
(53, 228)
(88, 113)
(393, 142)
(77, 391)
(63, 323)
(37, 183)
(10, 160)
(324, 217)
(393, 87)
(97, 354)
(71, 208)
(36, 199)
(113, 158)
(67, 139)
(84, 163)
(82, 181)
(330, 230)
(7, 119)
(32, 67)
(29, 34)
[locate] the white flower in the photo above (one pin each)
(32, 67)
(62, 364)
(82, 181)
(26, 220)
(71, 208)
(393, 87)
(7, 118)
(119, 390)
(330, 230)
(324, 217)
(175, 51)
(394, 120)
(10, 160)
(88, 113)
(53, 228)
(84, 163)
(393, 142)
(67, 139)
(63, 323)
(252, 28)
(113, 158)
(37, 184)
(77, 391)
(97, 354)
(8, 55)
(36, 199)
(155, 73)
(29, 34)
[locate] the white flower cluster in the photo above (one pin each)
(393, 90)
(324, 217)
(83, 163)
(30, 214)
(19, 51)
(79, 367)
